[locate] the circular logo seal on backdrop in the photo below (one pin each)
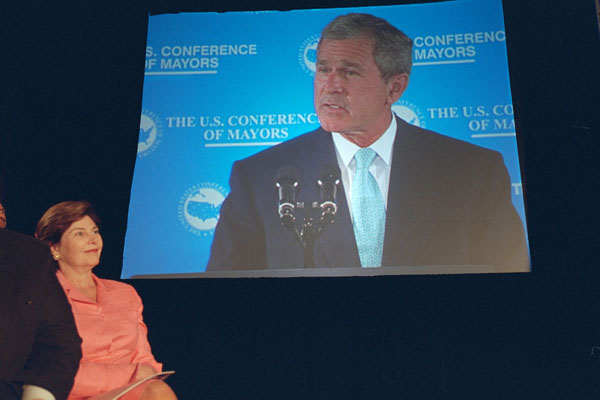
(409, 113)
(307, 55)
(199, 207)
(151, 133)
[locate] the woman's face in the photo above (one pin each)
(80, 246)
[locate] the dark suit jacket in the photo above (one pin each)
(449, 203)
(39, 344)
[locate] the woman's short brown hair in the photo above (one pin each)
(58, 218)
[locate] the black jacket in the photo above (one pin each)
(449, 203)
(39, 344)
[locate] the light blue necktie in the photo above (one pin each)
(368, 211)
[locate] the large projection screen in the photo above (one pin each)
(220, 87)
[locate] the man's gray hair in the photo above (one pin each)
(392, 49)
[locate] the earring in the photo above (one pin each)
(56, 256)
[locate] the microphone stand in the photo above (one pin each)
(309, 232)
(286, 182)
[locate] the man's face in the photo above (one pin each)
(351, 97)
(2, 217)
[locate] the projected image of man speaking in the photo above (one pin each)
(367, 189)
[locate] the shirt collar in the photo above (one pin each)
(382, 146)
(71, 291)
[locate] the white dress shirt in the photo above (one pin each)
(32, 392)
(380, 167)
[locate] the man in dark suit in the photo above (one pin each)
(40, 345)
(408, 196)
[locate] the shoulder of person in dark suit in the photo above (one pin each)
(38, 335)
(466, 180)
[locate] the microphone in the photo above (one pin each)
(286, 181)
(328, 182)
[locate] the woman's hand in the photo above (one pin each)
(143, 371)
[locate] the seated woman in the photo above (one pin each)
(108, 314)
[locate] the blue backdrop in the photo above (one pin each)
(219, 87)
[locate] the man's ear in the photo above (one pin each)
(397, 84)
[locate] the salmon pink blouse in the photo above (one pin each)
(114, 336)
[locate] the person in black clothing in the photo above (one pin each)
(40, 347)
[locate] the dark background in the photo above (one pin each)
(71, 77)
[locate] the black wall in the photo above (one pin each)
(71, 77)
